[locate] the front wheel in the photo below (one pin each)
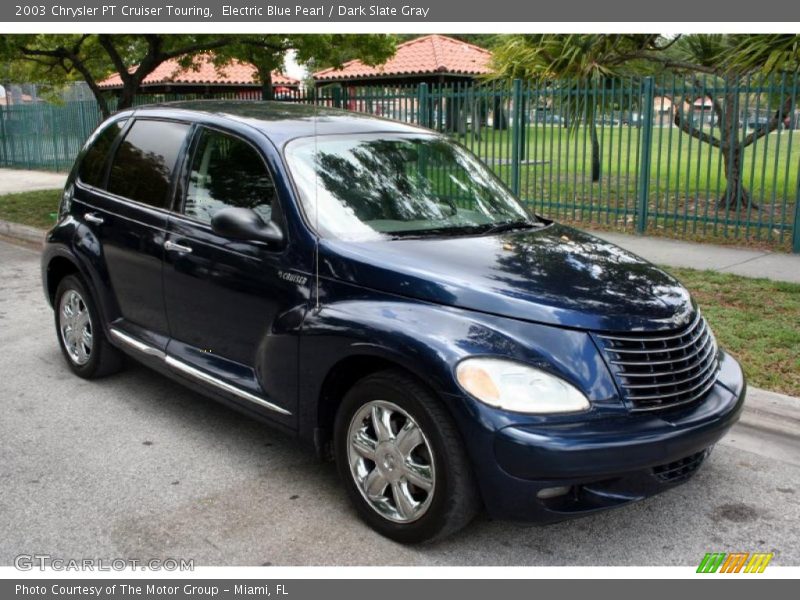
(402, 459)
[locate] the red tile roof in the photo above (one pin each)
(431, 54)
(203, 72)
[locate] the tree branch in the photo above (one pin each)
(116, 59)
(77, 47)
(690, 129)
(192, 48)
(666, 62)
(658, 48)
(714, 102)
(772, 125)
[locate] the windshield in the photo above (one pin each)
(373, 186)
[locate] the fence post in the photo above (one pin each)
(648, 99)
(422, 105)
(796, 224)
(517, 123)
(6, 161)
(54, 127)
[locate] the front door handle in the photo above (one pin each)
(170, 245)
(93, 218)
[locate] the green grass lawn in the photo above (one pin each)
(756, 320)
(680, 163)
(36, 209)
(687, 179)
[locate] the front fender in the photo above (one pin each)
(429, 340)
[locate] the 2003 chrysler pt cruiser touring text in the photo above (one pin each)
(372, 288)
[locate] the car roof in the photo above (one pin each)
(279, 121)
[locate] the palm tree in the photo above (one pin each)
(768, 53)
(551, 58)
(727, 60)
(568, 63)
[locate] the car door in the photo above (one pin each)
(232, 317)
(127, 209)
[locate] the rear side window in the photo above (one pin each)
(227, 171)
(92, 167)
(145, 160)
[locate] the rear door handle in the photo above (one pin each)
(93, 218)
(170, 245)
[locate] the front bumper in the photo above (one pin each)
(606, 462)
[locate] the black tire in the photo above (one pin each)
(455, 500)
(103, 359)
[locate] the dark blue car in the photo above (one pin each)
(373, 289)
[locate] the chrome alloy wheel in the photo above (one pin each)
(75, 327)
(391, 461)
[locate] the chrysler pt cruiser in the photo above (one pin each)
(373, 289)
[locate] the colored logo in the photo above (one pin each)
(735, 562)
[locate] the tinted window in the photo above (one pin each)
(227, 171)
(145, 159)
(93, 164)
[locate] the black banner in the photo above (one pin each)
(317, 589)
(393, 11)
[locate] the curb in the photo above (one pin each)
(772, 412)
(25, 233)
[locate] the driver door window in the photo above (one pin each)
(227, 171)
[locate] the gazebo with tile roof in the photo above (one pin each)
(431, 59)
(203, 78)
(439, 61)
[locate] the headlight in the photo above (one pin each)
(516, 387)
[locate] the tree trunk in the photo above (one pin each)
(102, 103)
(499, 116)
(128, 95)
(461, 119)
(736, 193)
(450, 116)
(595, 152)
(267, 92)
(477, 121)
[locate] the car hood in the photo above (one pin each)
(555, 275)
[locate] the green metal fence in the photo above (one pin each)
(45, 136)
(49, 136)
(610, 154)
(650, 176)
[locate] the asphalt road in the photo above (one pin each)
(136, 466)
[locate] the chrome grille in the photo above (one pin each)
(661, 370)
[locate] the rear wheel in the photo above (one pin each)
(80, 334)
(402, 459)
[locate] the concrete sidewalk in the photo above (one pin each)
(725, 259)
(18, 180)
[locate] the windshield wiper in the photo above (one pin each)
(510, 226)
(485, 229)
(434, 231)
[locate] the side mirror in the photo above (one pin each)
(245, 224)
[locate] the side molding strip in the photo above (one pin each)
(191, 371)
(136, 344)
(232, 389)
